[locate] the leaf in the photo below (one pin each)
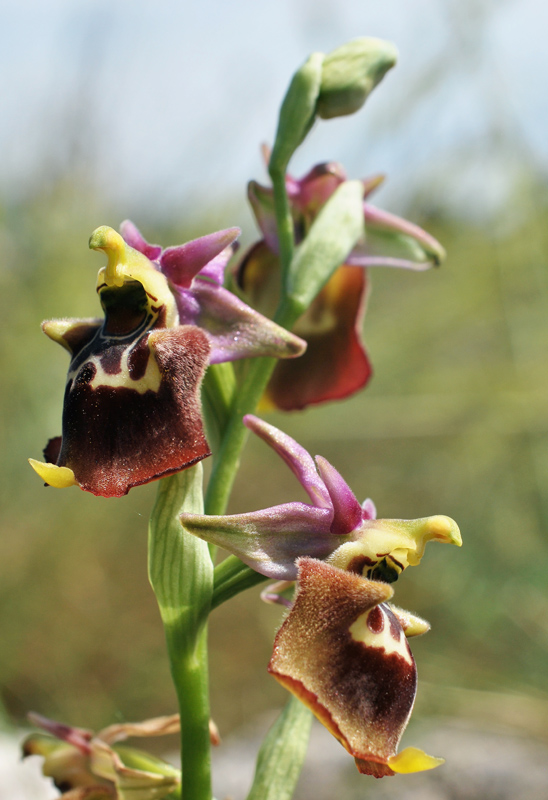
(282, 753)
(330, 239)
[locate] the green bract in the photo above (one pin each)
(330, 239)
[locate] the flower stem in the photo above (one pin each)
(190, 675)
(227, 459)
(247, 397)
(284, 222)
(232, 577)
(181, 574)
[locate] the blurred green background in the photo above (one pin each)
(454, 421)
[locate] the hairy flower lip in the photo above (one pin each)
(342, 650)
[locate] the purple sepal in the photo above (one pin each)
(299, 461)
(183, 263)
(271, 540)
(390, 223)
(235, 329)
(135, 239)
(261, 200)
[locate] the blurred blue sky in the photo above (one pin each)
(166, 102)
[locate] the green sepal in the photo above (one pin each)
(350, 73)
(282, 754)
(330, 239)
(297, 113)
(139, 759)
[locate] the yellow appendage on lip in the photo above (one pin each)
(412, 759)
(106, 239)
(125, 264)
(59, 477)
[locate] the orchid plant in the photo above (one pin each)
(152, 390)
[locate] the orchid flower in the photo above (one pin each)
(343, 652)
(342, 649)
(334, 527)
(132, 409)
(335, 364)
(85, 766)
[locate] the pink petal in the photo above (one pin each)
(317, 187)
(132, 235)
(369, 510)
(348, 512)
(182, 263)
(298, 460)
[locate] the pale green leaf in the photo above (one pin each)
(282, 754)
(330, 239)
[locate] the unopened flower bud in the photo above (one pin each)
(350, 73)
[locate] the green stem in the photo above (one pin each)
(181, 574)
(190, 676)
(227, 459)
(218, 391)
(284, 222)
(246, 399)
(232, 577)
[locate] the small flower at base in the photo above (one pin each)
(92, 767)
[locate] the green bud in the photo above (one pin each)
(350, 73)
(298, 111)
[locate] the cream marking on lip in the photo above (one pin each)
(150, 381)
(383, 640)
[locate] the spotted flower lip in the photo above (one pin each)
(87, 766)
(132, 410)
(333, 527)
(336, 364)
(342, 651)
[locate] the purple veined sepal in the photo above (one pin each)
(333, 527)
(343, 652)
